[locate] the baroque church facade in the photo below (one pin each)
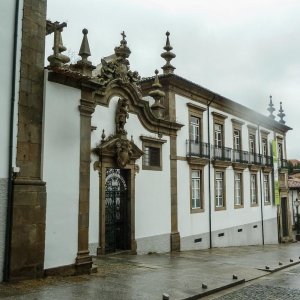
(99, 160)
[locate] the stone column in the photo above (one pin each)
(175, 236)
(83, 259)
(29, 191)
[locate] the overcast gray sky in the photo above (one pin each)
(244, 50)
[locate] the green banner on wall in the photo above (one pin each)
(274, 149)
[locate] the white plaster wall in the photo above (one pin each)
(152, 198)
(193, 224)
(61, 154)
(7, 15)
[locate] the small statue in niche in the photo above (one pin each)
(122, 115)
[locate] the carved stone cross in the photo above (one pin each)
(123, 35)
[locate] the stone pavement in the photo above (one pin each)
(178, 274)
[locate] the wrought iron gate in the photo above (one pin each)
(284, 217)
(116, 211)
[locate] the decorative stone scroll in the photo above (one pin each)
(118, 68)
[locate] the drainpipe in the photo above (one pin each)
(10, 155)
(261, 202)
(209, 183)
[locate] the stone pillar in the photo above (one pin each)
(169, 103)
(83, 259)
(175, 236)
(29, 191)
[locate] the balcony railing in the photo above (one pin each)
(197, 149)
(240, 156)
(221, 153)
(282, 163)
(267, 161)
(255, 159)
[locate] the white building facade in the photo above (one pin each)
(110, 162)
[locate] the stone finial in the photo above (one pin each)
(271, 109)
(157, 108)
(103, 136)
(168, 56)
(281, 115)
(84, 66)
(122, 51)
(57, 59)
(85, 51)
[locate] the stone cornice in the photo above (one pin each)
(238, 122)
(196, 107)
(197, 93)
(251, 127)
(152, 140)
(218, 115)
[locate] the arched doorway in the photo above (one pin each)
(117, 215)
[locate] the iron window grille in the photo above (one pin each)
(152, 156)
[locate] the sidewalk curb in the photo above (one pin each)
(216, 290)
(280, 268)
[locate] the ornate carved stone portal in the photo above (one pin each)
(125, 151)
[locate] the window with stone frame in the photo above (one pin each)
(266, 189)
(196, 189)
(280, 152)
(237, 138)
(238, 190)
(195, 128)
(219, 129)
(253, 189)
(152, 158)
(264, 142)
(220, 191)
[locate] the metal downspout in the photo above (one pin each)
(10, 158)
(261, 204)
(209, 181)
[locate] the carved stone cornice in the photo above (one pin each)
(197, 161)
(239, 166)
(238, 122)
(266, 169)
(221, 163)
(152, 140)
(254, 168)
(122, 149)
(196, 107)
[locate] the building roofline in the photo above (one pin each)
(238, 107)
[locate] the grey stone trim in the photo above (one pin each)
(93, 248)
(3, 205)
(156, 243)
(243, 235)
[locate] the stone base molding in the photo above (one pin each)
(84, 262)
(28, 229)
(175, 241)
(68, 270)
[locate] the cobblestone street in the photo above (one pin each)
(282, 285)
(179, 274)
